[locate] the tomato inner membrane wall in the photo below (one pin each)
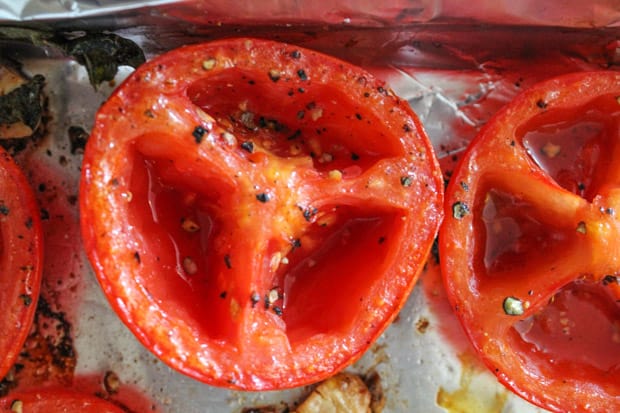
(320, 288)
(325, 287)
(575, 147)
(292, 119)
(514, 236)
(180, 223)
(577, 334)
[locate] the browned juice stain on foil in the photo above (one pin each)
(470, 396)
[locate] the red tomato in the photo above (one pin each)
(530, 249)
(54, 400)
(257, 213)
(21, 259)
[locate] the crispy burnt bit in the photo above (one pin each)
(23, 109)
(77, 139)
(48, 354)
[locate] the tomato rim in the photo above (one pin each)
(21, 237)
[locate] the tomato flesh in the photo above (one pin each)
(582, 316)
(530, 256)
(574, 148)
(257, 215)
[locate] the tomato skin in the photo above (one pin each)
(56, 400)
(21, 260)
(525, 219)
(228, 192)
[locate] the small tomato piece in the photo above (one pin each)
(21, 259)
(530, 248)
(50, 400)
(243, 206)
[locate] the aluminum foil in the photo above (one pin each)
(456, 63)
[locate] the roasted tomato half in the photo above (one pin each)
(530, 250)
(257, 213)
(54, 400)
(21, 259)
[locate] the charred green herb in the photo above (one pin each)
(100, 53)
(23, 104)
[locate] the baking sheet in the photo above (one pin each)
(454, 72)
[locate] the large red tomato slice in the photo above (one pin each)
(257, 213)
(530, 251)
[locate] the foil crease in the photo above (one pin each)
(391, 13)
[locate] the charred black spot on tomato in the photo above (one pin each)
(263, 197)
(459, 210)
(198, 133)
(541, 104)
(610, 279)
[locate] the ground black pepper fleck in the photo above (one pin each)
(302, 74)
(262, 197)
(198, 133)
(247, 146)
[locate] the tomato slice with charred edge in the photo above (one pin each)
(530, 249)
(21, 259)
(257, 213)
(56, 400)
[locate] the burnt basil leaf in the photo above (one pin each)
(103, 53)
(100, 53)
(23, 104)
